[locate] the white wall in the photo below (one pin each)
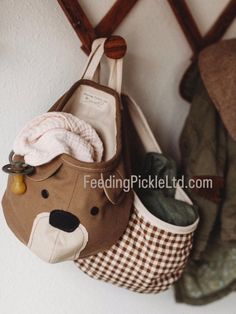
(40, 58)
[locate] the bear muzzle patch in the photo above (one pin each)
(57, 236)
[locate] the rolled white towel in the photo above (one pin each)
(55, 133)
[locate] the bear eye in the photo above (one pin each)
(94, 211)
(45, 193)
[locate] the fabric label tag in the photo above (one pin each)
(93, 99)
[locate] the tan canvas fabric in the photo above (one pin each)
(217, 64)
(61, 215)
(63, 179)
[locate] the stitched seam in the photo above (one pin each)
(31, 237)
(105, 169)
(83, 246)
(72, 194)
(54, 246)
(122, 196)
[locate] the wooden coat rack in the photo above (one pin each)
(115, 47)
(196, 41)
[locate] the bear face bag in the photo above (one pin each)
(53, 212)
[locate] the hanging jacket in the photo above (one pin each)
(208, 148)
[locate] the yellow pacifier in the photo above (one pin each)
(18, 169)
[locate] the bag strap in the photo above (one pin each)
(92, 68)
(148, 140)
(116, 71)
(94, 58)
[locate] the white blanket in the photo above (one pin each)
(55, 133)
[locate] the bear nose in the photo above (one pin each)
(63, 220)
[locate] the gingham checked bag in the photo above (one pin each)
(151, 254)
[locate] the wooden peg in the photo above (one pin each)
(18, 185)
(115, 47)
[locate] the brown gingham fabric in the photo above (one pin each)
(146, 259)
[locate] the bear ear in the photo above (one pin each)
(47, 170)
(113, 187)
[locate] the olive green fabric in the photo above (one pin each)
(208, 150)
(211, 278)
(161, 202)
(203, 148)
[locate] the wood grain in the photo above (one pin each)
(114, 17)
(115, 47)
(187, 24)
(79, 22)
(221, 25)
(105, 27)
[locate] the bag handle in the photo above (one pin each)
(91, 70)
(116, 70)
(94, 58)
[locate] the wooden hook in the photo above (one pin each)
(115, 47)
(105, 27)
